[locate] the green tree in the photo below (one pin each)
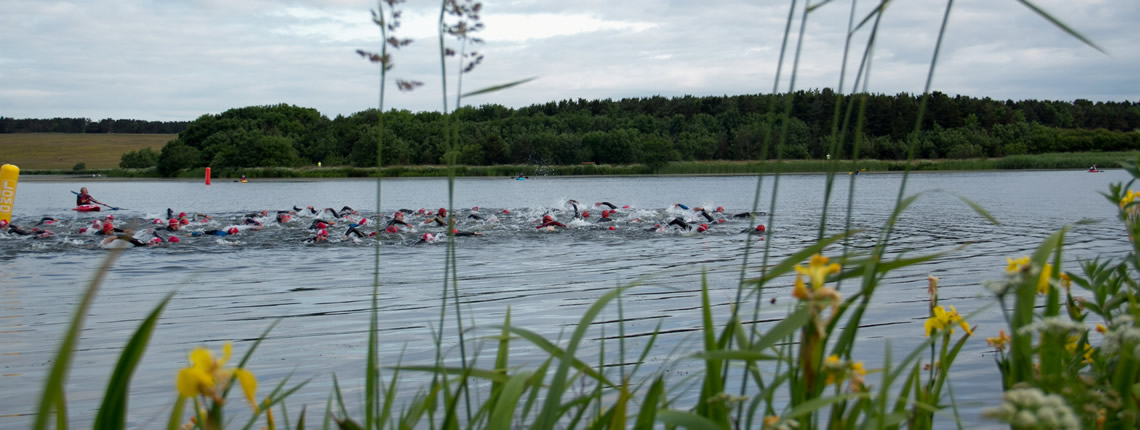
(141, 159)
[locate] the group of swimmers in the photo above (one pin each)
(573, 215)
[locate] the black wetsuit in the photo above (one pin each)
(353, 230)
(251, 221)
(748, 214)
(394, 221)
(466, 233)
(611, 205)
(707, 216)
(680, 223)
(473, 216)
(130, 239)
(313, 225)
(46, 219)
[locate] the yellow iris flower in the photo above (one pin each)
(943, 319)
(207, 375)
(817, 270)
(1000, 341)
(1014, 266)
(1043, 281)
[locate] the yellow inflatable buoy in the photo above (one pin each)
(9, 175)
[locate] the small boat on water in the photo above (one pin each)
(86, 208)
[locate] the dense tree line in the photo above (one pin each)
(652, 130)
(85, 125)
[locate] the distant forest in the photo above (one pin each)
(651, 130)
(85, 125)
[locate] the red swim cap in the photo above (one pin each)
(3, 223)
(455, 230)
(475, 208)
(110, 217)
(546, 218)
(391, 229)
(323, 232)
(625, 207)
(108, 226)
(428, 237)
(703, 227)
(182, 214)
(155, 240)
(613, 228)
(441, 212)
(321, 225)
(156, 221)
(421, 211)
(233, 230)
(719, 220)
(585, 214)
(760, 228)
(363, 220)
(48, 222)
(605, 214)
(506, 211)
(173, 221)
(720, 208)
(172, 239)
(185, 221)
(371, 234)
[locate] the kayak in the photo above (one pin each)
(86, 208)
(1095, 170)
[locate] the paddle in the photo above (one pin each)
(103, 204)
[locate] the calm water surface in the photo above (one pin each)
(232, 288)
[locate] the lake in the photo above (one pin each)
(233, 287)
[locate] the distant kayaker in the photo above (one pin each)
(85, 199)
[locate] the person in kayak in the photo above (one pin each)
(85, 199)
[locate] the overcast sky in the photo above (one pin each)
(179, 59)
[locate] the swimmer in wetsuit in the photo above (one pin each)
(175, 225)
(548, 221)
(219, 233)
(14, 229)
(397, 218)
(680, 223)
(46, 220)
(605, 216)
(124, 237)
(759, 229)
(749, 214)
(611, 205)
(322, 236)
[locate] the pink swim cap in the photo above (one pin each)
(703, 228)
(185, 221)
(3, 223)
(233, 230)
(173, 239)
(182, 214)
(720, 208)
(428, 237)
(323, 232)
(585, 214)
(506, 211)
(155, 240)
(110, 217)
(625, 207)
(475, 208)
(391, 229)
(605, 214)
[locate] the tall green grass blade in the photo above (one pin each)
(713, 385)
(557, 352)
(301, 419)
(284, 416)
(687, 420)
(978, 208)
(491, 375)
(558, 384)
(53, 394)
(499, 87)
(175, 421)
(1056, 22)
(508, 401)
(536, 387)
(249, 353)
(782, 330)
(817, 403)
(503, 353)
(328, 413)
(648, 413)
(113, 412)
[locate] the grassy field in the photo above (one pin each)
(33, 151)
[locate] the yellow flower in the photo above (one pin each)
(1016, 265)
(942, 320)
(207, 376)
(771, 420)
(1100, 328)
(817, 270)
(800, 291)
(1043, 281)
(1066, 281)
(1128, 198)
(1000, 341)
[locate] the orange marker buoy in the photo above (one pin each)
(207, 176)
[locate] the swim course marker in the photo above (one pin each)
(9, 175)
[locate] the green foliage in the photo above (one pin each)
(79, 167)
(141, 159)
